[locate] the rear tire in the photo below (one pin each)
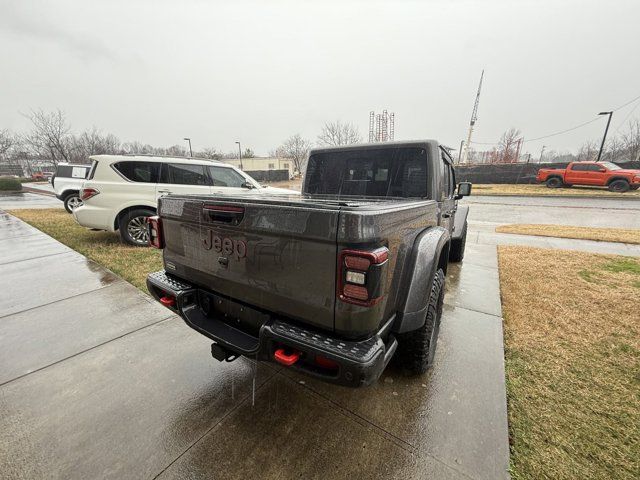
(554, 182)
(456, 254)
(72, 201)
(619, 186)
(417, 349)
(133, 227)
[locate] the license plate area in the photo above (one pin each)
(233, 313)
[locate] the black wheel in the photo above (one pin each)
(554, 182)
(133, 227)
(619, 186)
(417, 349)
(72, 201)
(456, 253)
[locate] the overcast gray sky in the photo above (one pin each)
(157, 71)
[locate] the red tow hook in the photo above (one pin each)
(168, 301)
(287, 360)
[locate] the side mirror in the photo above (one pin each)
(464, 190)
(603, 170)
(248, 185)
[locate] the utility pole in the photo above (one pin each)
(474, 117)
(605, 133)
(240, 155)
(518, 150)
(190, 152)
(541, 153)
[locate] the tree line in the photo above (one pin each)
(51, 139)
(620, 146)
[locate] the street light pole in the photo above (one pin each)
(605, 133)
(460, 151)
(240, 155)
(190, 151)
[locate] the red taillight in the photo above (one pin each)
(154, 226)
(87, 193)
(360, 276)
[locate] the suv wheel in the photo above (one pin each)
(619, 186)
(417, 349)
(72, 201)
(554, 182)
(456, 254)
(133, 227)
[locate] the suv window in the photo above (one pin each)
(226, 177)
(183, 174)
(143, 172)
(72, 171)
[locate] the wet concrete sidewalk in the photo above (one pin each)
(98, 381)
(485, 234)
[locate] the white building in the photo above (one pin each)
(262, 164)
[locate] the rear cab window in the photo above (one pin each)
(379, 172)
(141, 172)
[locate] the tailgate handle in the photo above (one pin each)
(223, 213)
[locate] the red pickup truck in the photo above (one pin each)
(601, 174)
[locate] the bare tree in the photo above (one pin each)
(631, 140)
(49, 137)
(7, 141)
(587, 151)
(210, 153)
(507, 150)
(92, 142)
(296, 149)
(136, 148)
(338, 133)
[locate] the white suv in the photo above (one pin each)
(67, 181)
(121, 191)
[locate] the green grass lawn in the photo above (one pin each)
(572, 356)
(131, 263)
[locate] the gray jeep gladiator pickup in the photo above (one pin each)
(333, 282)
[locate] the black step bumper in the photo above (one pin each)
(334, 360)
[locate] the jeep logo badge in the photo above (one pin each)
(225, 245)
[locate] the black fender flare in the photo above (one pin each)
(430, 252)
(460, 218)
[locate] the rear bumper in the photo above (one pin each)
(91, 216)
(321, 355)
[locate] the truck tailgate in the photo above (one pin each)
(272, 254)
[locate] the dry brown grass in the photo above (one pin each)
(572, 351)
(542, 190)
(131, 263)
(624, 235)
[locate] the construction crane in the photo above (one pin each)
(474, 117)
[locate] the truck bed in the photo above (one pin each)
(278, 253)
